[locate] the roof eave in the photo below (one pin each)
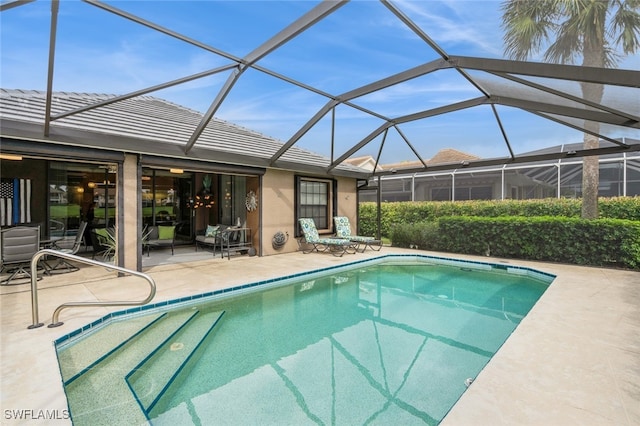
(87, 139)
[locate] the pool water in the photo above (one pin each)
(392, 342)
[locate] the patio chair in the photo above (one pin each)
(343, 230)
(17, 247)
(210, 237)
(68, 246)
(337, 246)
(160, 236)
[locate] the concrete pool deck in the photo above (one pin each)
(575, 358)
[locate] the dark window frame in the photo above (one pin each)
(331, 206)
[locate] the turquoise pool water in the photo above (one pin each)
(391, 341)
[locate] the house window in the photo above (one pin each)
(315, 200)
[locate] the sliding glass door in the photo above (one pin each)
(80, 192)
(165, 197)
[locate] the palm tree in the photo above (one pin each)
(570, 30)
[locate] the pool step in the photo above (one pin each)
(107, 377)
(153, 376)
(86, 353)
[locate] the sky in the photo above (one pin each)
(360, 43)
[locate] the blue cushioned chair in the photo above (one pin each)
(343, 230)
(337, 246)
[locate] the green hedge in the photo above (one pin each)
(428, 211)
(423, 235)
(601, 242)
(549, 229)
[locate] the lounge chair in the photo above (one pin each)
(343, 230)
(17, 247)
(337, 246)
(69, 246)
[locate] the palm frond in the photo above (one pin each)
(567, 30)
(625, 26)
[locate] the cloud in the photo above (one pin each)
(457, 23)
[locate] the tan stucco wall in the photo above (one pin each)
(348, 201)
(130, 212)
(277, 210)
(278, 207)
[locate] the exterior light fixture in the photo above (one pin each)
(11, 157)
(176, 171)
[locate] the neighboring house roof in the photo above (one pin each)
(444, 156)
(153, 126)
(366, 162)
(450, 155)
(450, 159)
(453, 156)
(406, 164)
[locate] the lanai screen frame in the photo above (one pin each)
(502, 169)
(550, 103)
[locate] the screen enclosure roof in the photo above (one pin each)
(310, 85)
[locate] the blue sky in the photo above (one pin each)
(358, 44)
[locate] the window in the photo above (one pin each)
(165, 196)
(315, 200)
(74, 190)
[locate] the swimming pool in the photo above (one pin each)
(389, 340)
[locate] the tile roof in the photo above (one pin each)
(450, 155)
(156, 126)
(444, 156)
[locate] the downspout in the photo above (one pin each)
(453, 186)
(558, 190)
(413, 187)
(624, 170)
(379, 209)
(503, 182)
(558, 166)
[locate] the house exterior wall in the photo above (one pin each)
(253, 217)
(278, 208)
(275, 190)
(348, 201)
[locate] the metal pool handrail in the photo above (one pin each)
(56, 314)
